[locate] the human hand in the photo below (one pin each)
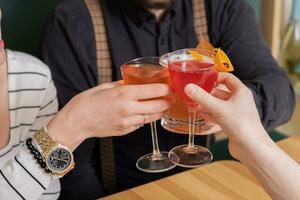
(110, 109)
(234, 110)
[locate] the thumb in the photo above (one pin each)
(207, 101)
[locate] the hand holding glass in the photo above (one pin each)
(146, 71)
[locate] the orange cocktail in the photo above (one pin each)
(135, 74)
(142, 71)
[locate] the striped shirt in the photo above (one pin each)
(32, 103)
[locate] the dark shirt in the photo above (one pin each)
(69, 49)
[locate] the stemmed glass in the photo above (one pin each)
(147, 70)
(197, 67)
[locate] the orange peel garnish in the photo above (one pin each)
(196, 55)
(222, 62)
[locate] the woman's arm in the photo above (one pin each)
(236, 113)
(22, 177)
(278, 173)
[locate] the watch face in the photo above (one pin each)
(59, 159)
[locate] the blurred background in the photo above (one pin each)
(23, 23)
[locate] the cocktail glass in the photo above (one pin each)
(197, 67)
(176, 118)
(141, 71)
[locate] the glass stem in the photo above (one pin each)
(192, 117)
(156, 152)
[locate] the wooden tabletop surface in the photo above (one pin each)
(220, 180)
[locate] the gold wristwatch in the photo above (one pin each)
(58, 158)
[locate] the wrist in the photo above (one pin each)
(249, 143)
(57, 158)
(258, 156)
(64, 133)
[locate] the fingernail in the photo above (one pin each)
(190, 89)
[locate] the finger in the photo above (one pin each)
(153, 117)
(230, 81)
(221, 94)
(147, 91)
(207, 101)
(105, 86)
(221, 86)
(152, 106)
(140, 120)
(114, 84)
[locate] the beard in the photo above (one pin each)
(154, 4)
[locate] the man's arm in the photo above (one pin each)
(68, 48)
(235, 30)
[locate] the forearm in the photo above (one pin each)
(276, 171)
(63, 131)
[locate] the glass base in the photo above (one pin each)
(190, 157)
(181, 126)
(156, 164)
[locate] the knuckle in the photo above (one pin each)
(126, 109)
(121, 91)
(158, 90)
(162, 105)
(123, 124)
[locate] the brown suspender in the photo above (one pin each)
(200, 22)
(104, 68)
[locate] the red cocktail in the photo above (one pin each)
(197, 67)
(200, 73)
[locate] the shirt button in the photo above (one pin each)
(163, 41)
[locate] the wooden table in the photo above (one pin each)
(220, 180)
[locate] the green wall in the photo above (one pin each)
(256, 6)
(23, 22)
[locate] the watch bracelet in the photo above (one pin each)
(43, 141)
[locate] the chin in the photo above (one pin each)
(156, 4)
